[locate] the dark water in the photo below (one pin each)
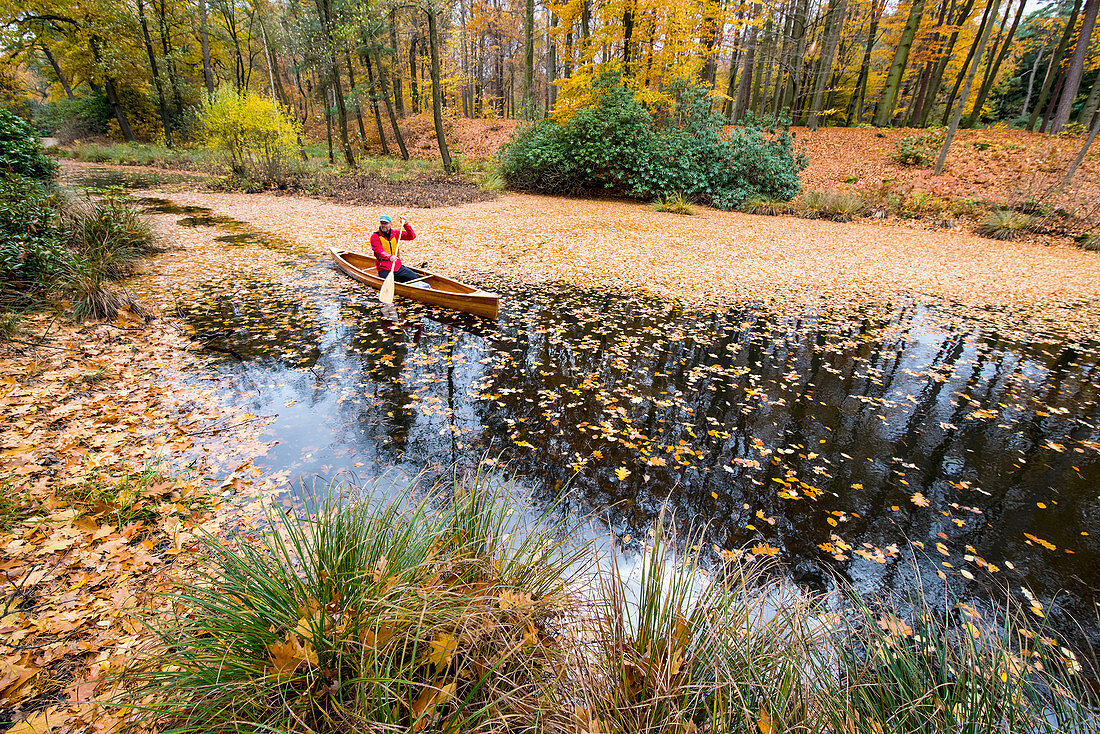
(102, 178)
(841, 441)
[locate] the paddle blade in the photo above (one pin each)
(385, 293)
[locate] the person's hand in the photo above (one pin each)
(404, 221)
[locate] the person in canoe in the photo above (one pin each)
(387, 255)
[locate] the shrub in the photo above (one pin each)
(256, 136)
(1089, 242)
(761, 205)
(32, 247)
(108, 234)
(1003, 224)
(615, 144)
(919, 150)
(20, 153)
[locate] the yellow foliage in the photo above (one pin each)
(255, 133)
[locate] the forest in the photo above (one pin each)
(139, 69)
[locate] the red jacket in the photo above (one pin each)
(384, 246)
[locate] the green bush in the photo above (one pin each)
(919, 150)
(20, 153)
(257, 137)
(32, 243)
(69, 119)
(617, 145)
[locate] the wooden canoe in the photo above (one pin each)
(440, 290)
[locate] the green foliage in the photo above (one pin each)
(15, 505)
(1089, 242)
(32, 245)
(454, 615)
(1003, 224)
(70, 119)
(919, 150)
(256, 136)
(615, 144)
(20, 153)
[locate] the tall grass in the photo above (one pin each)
(363, 616)
(456, 614)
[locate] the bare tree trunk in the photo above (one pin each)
(744, 89)
(57, 71)
(204, 40)
(398, 90)
(551, 66)
(995, 65)
(941, 66)
(1076, 66)
(437, 89)
(1084, 151)
(885, 111)
(982, 39)
(790, 93)
(1054, 68)
(112, 92)
(1031, 80)
(165, 120)
(414, 90)
(529, 55)
(373, 90)
(355, 97)
(833, 24)
(389, 109)
(1089, 109)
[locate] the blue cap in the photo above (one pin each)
(386, 218)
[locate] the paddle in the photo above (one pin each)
(385, 293)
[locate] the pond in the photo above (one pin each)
(902, 445)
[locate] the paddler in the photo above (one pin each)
(386, 253)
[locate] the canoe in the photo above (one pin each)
(431, 288)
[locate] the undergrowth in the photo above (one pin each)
(56, 247)
(458, 613)
(674, 203)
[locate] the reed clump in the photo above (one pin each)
(459, 613)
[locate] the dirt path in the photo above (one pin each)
(714, 256)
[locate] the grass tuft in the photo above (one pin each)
(1003, 224)
(366, 616)
(838, 206)
(674, 203)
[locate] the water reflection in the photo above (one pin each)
(860, 440)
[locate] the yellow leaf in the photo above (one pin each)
(765, 722)
(424, 706)
(443, 646)
(622, 473)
